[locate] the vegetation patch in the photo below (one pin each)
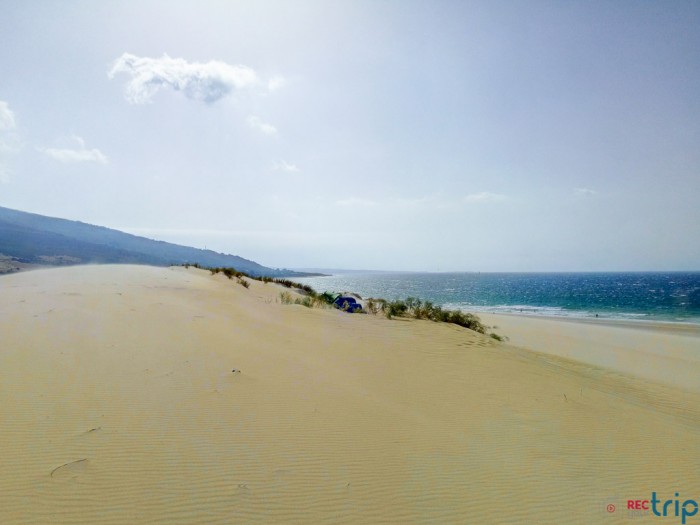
(411, 307)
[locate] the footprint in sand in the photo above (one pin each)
(70, 470)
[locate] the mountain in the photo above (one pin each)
(28, 238)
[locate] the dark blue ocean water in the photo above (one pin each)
(673, 296)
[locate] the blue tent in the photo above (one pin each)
(347, 304)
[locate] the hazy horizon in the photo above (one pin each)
(410, 136)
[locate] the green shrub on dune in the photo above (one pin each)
(411, 307)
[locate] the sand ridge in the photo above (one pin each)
(119, 405)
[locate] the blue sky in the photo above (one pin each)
(440, 136)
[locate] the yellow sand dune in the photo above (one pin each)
(119, 404)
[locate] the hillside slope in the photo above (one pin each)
(33, 238)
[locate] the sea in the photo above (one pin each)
(647, 296)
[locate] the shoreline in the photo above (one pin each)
(544, 311)
(689, 329)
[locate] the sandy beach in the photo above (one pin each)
(135, 394)
(661, 352)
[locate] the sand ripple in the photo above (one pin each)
(124, 409)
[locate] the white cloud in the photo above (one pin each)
(397, 203)
(283, 165)
(276, 83)
(205, 81)
(484, 196)
(355, 202)
(584, 192)
(78, 154)
(413, 202)
(72, 155)
(263, 127)
(7, 117)
(8, 139)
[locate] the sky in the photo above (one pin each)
(387, 135)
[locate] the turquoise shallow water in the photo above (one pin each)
(671, 296)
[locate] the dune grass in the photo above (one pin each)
(419, 309)
(411, 307)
